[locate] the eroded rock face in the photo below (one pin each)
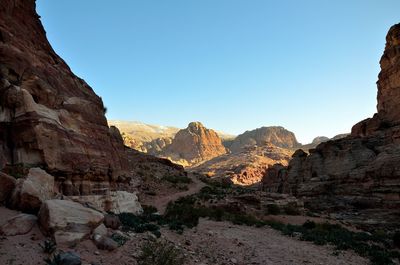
(7, 185)
(18, 225)
(275, 135)
(48, 116)
(357, 178)
(194, 145)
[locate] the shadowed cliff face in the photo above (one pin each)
(48, 116)
(358, 176)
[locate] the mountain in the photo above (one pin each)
(138, 135)
(194, 145)
(275, 135)
(150, 138)
(357, 177)
(246, 166)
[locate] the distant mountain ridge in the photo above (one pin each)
(245, 157)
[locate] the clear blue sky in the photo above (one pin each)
(235, 65)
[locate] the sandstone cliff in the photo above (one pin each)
(48, 116)
(275, 135)
(357, 177)
(194, 145)
(52, 119)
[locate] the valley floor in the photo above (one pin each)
(212, 243)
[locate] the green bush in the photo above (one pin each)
(160, 253)
(178, 179)
(273, 209)
(121, 240)
(375, 248)
(140, 223)
(55, 260)
(309, 224)
(49, 246)
(291, 209)
(396, 239)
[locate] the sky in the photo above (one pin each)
(235, 65)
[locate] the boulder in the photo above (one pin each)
(100, 230)
(30, 192)
(67, 221)
(104, 242)
(116, 202)
(7, 185)
(18, 225)
(69, 258)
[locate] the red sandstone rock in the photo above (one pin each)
(48, 116)
(194, 145)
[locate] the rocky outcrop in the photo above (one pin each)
(321, 139)
(358, 177)
(275, 135)
(247, 166)
(48, 116)
(68, 222)
(7, 185)
(194, 145)
(31, 191)
(115, 201)
(18, 225)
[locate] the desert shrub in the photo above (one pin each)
(149, 210)
(273, 209)
(55, 260)
(151, 193)
(160, 253)
(183, 212)
(178, 179)
(120, 239)
(309, 224)
(291, 209)
(140, 223)
(396, 239)
(48, 246)
(362, 243)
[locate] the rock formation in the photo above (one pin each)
(357, 177)
(49, 117)
(275, 135)
(143, 137)
(55, 143)
(194, 145)
(321, 139)
(246, 167)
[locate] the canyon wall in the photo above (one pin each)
(357, 177)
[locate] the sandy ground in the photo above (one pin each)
(164, 196)
(212, 243)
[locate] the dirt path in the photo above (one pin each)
(161, 202)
